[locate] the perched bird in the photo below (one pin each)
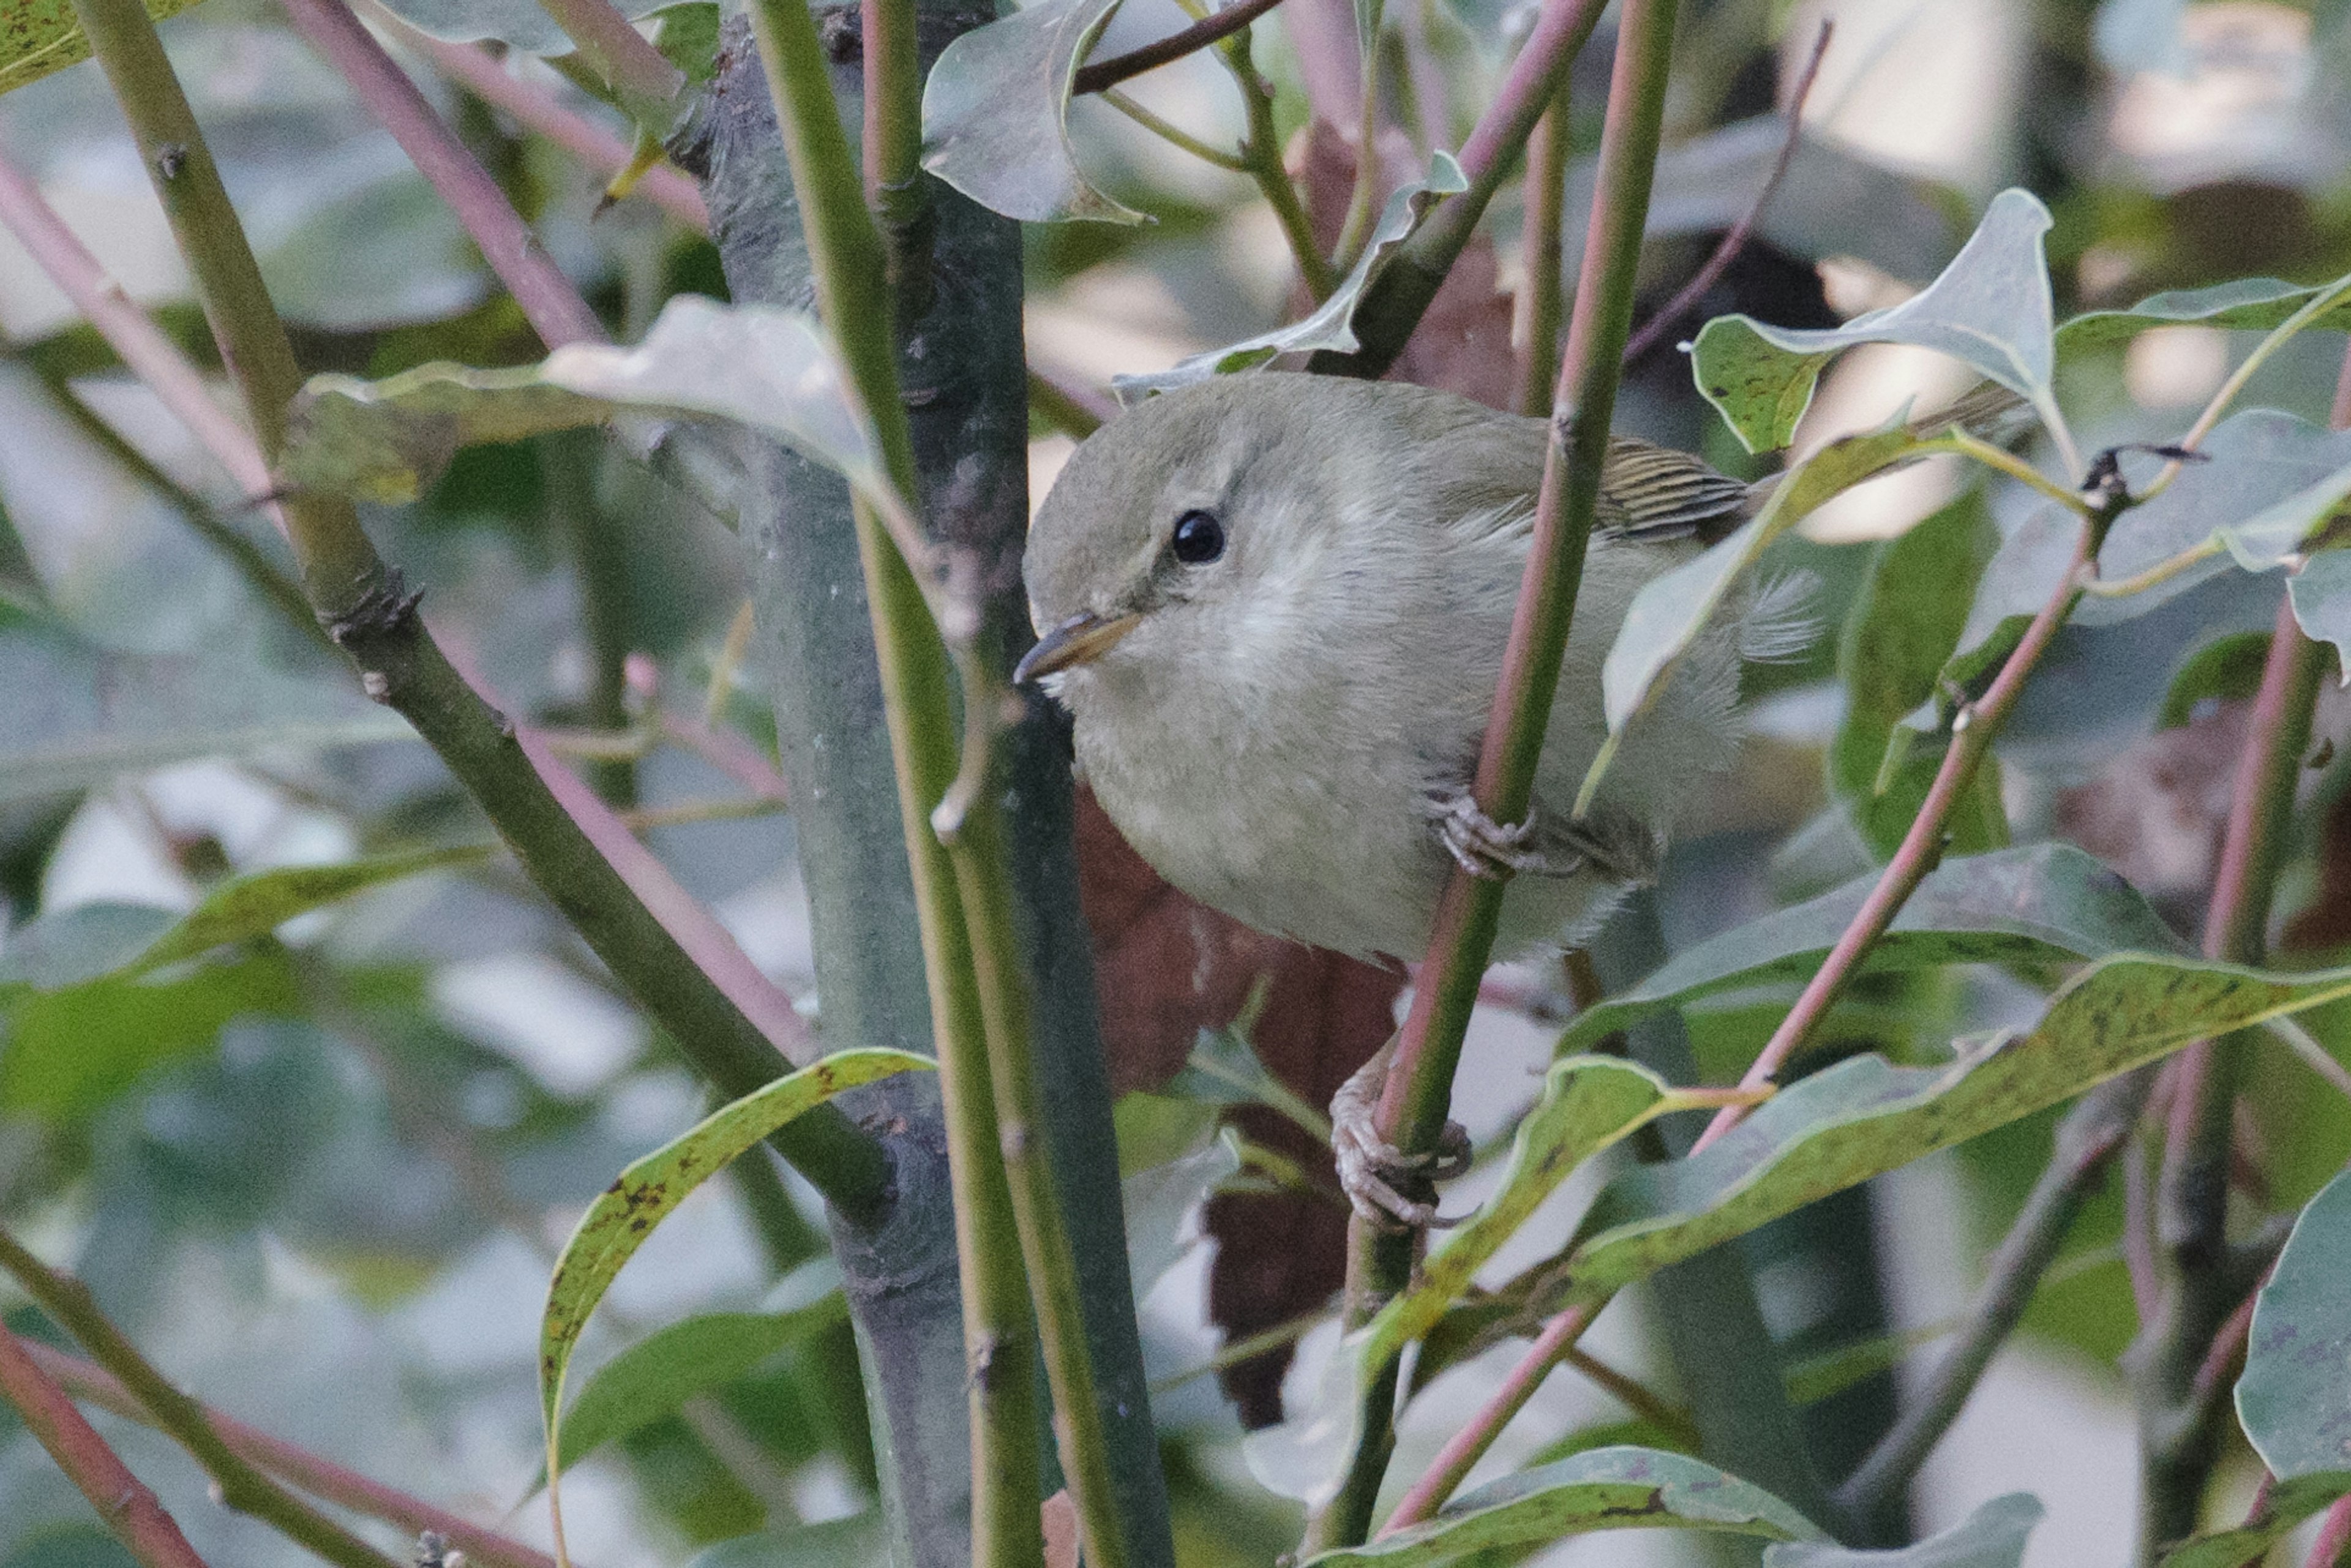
(1275, 606)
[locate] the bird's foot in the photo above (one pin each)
(1484, 847)
(1373, 1172)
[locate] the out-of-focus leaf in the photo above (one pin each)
(834, 1543)
(1588, 1103)
(1989, 310)
(656, 1377)
(624, 1214)
(1668, 613)
(2321, 592)
(2295, 1398)
(1904, 624)
(1332, 326)
(262, 901)
(72, 946)
(1155, 1129)
(2228, 669)
(518, 23)
(1163, 1207)
(2254, 304)
(1830, 203)
(2290, 1503)
(37, 36)
(1823, 1376)
(2046, 903)
(1224, 1070)
(1862, 1118)
(1993, 1536)
(757, 365)
(73, 715)
(72, 1050)
(1605, 1489)
(996, 113)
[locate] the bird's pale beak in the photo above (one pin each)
(1080, 639)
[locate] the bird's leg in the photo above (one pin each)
(1544, 845)
(1370, 1166)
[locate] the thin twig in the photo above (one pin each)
(549, 301)
(1463, 1448)
(536, 110)
(320, 1478)
(2093, 1134)
(1174, 135)
(1418, 1092)
(1261, 150)
(1097, 74)
(2332, 1546)
(1690, 293)
(243, 1487)
(150, 1535)
(1634, 1394)
(1075, 411)
(1542, 298)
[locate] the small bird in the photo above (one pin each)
(1275, 606)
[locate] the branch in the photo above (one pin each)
(181, 1418)
(1399, 295)
(895, 189)
(1413, 1105)
(1690, 293)
(129, 1508)
(1542, 302)
(320, 1478)
(2087, 1140)
(365, 608)
(1096, 75)
(481, 73)
(550, 302)
(1466, 1448)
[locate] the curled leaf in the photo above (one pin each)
(995, 114)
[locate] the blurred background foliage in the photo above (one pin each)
(319, 1174)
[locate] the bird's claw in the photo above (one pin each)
(1485, 847)
(1371, 1169)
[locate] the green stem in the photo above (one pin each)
(568, 464)
(846, 257)
(1412, 1110)
(1361, 197)
(894, 190)
(365, 607)
(1174, 134)
(242, 1487)
(1262, 151)
(1544, 302)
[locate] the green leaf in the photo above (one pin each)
(1331, 327)
(1224, 1069)
(1668, 613)
(2321, 593)
(2252, 303)
(1862, 1117)
(2290, 1503)
(1989, 310)
(518, 23)
(1159, 1204)
(2295, 1398)
(755, 365)
(73, 1051)
(1904, 624)
(995, 114)
(74, 714)
(37, 36)
(1993, 1536)
(2226, 669)
(1603, 1488)
(625, 1213)
(658, 1375)
(260, 902)
(2039, 903)
(1588, 1103)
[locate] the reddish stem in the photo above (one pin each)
(2332, 1549)
(318, 1477)
(1922, 847)
(126, 1505)
(534, 108)
(554, 307)
(1096, 75)
(1464, 1447)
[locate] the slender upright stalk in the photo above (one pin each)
(852, 295)
(1397, 299)
(150, 1535)
(366, 610)
(1362, 197)
(894, 190)
(536, 110)
(1411, 1110)
(1466, 1447)
(1543, 298)
(242, 1487)
(1262, 151)
(298, 1466)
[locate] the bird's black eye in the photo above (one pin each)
(1198, 540)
